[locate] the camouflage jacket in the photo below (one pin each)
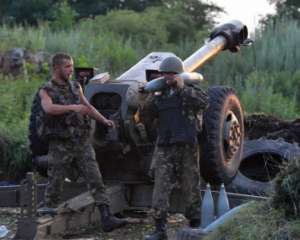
(70, 126)
(193, 101)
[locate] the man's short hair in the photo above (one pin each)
(58, 58)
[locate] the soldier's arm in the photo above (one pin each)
(93, 112)
(148, 110)
(58, 109)
(196, 98)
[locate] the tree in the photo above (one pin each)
(34, 11)
(91, 8)
(202, 13)
(4, 9)
(29, 11)
(63, 15)
(287, 8)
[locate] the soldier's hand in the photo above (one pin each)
(109, 123)
(171, 81)
(80, 108)
(179, 81)
(175, 81)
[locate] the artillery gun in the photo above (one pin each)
(125, 153)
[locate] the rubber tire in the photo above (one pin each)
(214, 166)
(279, 147)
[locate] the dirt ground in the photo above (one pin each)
(8, 217)
(261, 125)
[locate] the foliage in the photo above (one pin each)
(286, 8)
(287, 189)
(27, 11)
(140, 27)
(93, 8)
(111, 43)
(152, 28)
(35, 11)
(201, 12)
(108, 52)
(281, 212)
(26, 37)
(268, 101)
(250, 224)
(16, 98)
(63, 16)
(275, 49)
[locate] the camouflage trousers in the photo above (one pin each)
(67, 159)
(176, 166)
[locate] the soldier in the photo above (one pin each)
(178, 108)
(63, 119)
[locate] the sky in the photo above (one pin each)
(247, 11)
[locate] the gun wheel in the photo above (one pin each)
(222, 137)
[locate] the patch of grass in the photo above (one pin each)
(259, 95)
(257, 221)
(287, 189)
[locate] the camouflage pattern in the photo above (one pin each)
(177, 166)
(70, 154)
(69, 160)
(194, 100)
(71, 126)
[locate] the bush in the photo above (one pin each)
(250, 224)
(259, 95)
(64, 16)
(287, 189)
(132, 25)
(16, 99)
(154, 28)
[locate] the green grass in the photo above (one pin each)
(259, 95)
(257, 221)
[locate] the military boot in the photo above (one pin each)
(160, 232)
(108, 221)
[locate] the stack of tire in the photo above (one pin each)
(261, 161)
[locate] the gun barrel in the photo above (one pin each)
(205, 53)
(225, 36)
